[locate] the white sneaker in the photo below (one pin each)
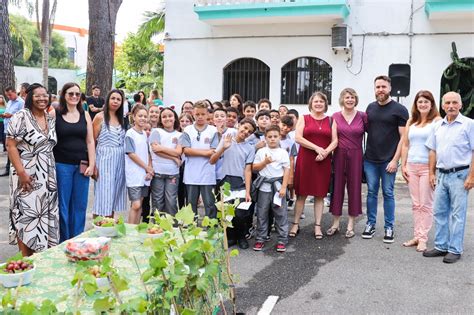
(302, 216)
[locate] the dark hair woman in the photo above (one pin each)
(109, 134)
(31, 136)
(75, 160)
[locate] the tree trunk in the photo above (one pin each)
(44, 35)
(7, 72)
(100, 56)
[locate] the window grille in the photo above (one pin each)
(248, 77)
(303, 76)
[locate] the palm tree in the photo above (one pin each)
(25, 41)
(45, 27)
(153, 25)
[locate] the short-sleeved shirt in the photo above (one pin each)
(383, 135)
(453, 142)
(219, 175)
(13, 106)
(168, 139)
(289, 145)
(198, 170)
(236, 158)
(135, 142)
(281, 160)
(97, 102)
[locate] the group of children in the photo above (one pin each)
(252, 148)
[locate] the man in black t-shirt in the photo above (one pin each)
(387, 120)
(95, 102)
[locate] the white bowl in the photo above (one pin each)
(10, 280)
(108, 231)
(144, 236)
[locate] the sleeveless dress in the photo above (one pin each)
(110, 190)
(34, 215)
(312, 177)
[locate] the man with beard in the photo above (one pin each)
(451, 145)
(387, 120)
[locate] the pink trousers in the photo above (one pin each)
(422, 196)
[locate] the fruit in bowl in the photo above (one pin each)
(109, 227)
(16, 270)
(149, 230)
(87, 248)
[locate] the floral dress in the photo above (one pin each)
(34, 215)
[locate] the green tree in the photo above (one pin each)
(7, 72)
(153, 25)
(57, 50)
(139, 63)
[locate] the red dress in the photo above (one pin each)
(312, 177)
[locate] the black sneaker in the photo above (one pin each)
(388, 238)
(369, 231)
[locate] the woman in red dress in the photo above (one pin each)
(317, 135)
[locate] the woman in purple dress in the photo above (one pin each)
(351, 126)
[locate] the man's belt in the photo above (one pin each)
(453, 170)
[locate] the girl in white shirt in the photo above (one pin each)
(166, 160)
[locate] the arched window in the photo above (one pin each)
(302, 76)
(248, 77)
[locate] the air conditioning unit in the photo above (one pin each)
(341, 37)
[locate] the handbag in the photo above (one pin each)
(83, 165)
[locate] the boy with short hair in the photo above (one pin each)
(232, 116)
(289, 145)
(250, 109)
(274, 117)
(237, 156)
(263, 121)
(199, 141)
(293, 113)
(264, 104)
(273, 165)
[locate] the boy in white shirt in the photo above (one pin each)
(273, 165)
(199, 141)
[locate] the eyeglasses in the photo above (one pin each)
(72, 94)
(198, 138)
(41, 95)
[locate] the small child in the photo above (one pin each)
(199, 142)
(274, 117)
(138, 169)
(220, 122)
(283, 110)
(293, 113)
(185, 119)
(273, 165)
(250, 109)
(263, 121)
(264, 104)
(166, 159)
(289, 145)
(232, 117)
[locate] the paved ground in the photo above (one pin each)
(337, 275)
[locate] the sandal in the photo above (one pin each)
(410, 243)
(421, 247)
(293, 234)
(332, 231)
(318, 236)
(350, 233)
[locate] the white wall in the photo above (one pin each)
(32, 75)
(79, 43)
(194, 57)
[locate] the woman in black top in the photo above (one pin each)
(75, 160)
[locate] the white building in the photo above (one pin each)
(287, 47)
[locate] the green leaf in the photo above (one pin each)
(147, 274)
(166, 225)
(27, 308)
(120, 283)
(142, 227)
(90, 288)
(188, 311)
(185, 215)
(205, 222)
(17, 256)
(202, 284)
(8, 299)
(234, 252)
(48, 307)
(104, 304)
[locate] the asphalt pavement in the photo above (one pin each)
(338, 275)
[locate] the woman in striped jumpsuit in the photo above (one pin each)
(109, 134)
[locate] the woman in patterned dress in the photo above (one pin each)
(109, 134)
(34, 213)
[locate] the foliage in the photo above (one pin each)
(24, 30)
(459, 77)
(154, 25)
(140, 65)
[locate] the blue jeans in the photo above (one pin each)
(73, 190)
(374, 173)
(450, 211)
